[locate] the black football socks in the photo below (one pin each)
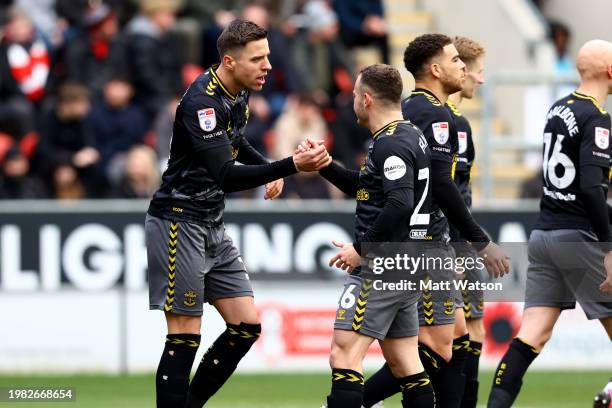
(172, 377)
(509, 374)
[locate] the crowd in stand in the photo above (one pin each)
(88, 89)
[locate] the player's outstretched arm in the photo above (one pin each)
(449, 198)
(232, 177)
(249, 155)
(346, 180)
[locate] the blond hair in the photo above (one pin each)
(469, 50)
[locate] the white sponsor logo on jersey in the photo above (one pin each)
(394, 168)
(418, 234)
(440, 132)
(207, 119)
(602, 137)
(462, 142)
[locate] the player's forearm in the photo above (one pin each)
(238, 178)
(249, 155)
(594, 198)
(346, 180)
(450, 201)
(232, 177)
(597, 210)
(397, 209)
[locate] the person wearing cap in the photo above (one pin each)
(98, 54)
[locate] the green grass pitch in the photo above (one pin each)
(540, 389)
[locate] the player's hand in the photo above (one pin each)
(308, 144)
(495, 259)
(347, 259)
(606, 286)
(312, 160)
(274, 189)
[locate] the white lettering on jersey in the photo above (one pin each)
(394, 168)
(207, 119)
(440, 132)
(567, 115)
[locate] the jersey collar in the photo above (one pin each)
(590, 98)
(387, 126)
(429, 95)
(218, 80)
(453, 108)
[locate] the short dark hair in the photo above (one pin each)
(421, 50)
(238, 34)
(384, 81)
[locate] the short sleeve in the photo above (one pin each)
(439, 130)
(205, 121)
(395, 163)
(595, 149)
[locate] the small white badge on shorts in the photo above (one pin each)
(394, 168)
(602, 137)
(440, 132)
(462, 142)
(207, 119)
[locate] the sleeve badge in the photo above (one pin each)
(207, 119)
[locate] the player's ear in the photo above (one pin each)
(367, 99)
(228, 61)
(609, 71)
(434, 69)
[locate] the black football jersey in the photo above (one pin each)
(577, 134)
(430, 115)
(398, 157)
(208, 116)
(465, 160)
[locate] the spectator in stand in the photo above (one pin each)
(72, 11)
(25, 64)
(98, 53)
(221, 13)
(43, 17)
(16, 181)
(155, 61)
(560, 35)
(67, 147)
(350, 139)
(162, 132)
(319, 55)
(140, 177)
(362, 23)
(302, 118)
(118, 125)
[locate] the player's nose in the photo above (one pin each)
(267, 66)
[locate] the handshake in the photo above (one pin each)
(311, 155)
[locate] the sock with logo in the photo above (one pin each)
(220, 361)
(509, 374)
(346, 390)
(172, 377)
(417, 391)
